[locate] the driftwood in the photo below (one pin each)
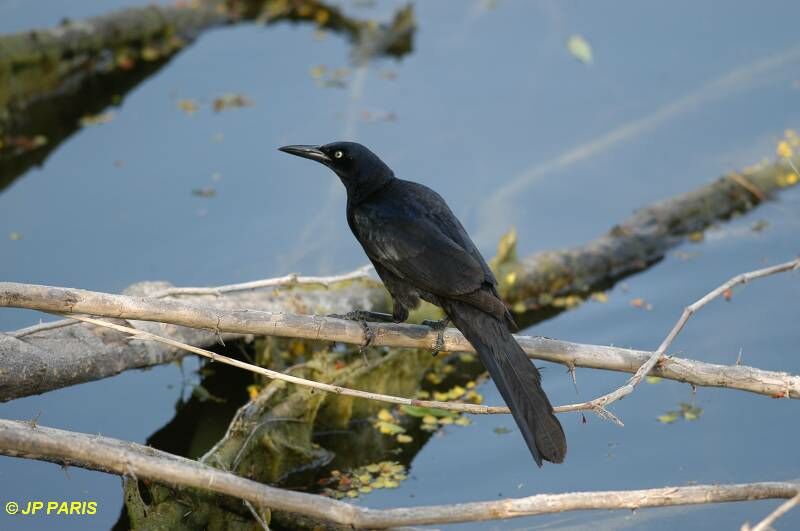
(636, 243)
(43, 358)
(28, 440)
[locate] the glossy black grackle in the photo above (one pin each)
(421, 250)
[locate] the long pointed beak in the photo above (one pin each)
(307, 152)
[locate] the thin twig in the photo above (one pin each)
(328, 388)
(292, 279)
(771, 518)
(600, 403)
(19, 439)
(41, 327)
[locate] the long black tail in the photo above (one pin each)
(516, 378)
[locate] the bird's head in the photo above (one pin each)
(360, 170)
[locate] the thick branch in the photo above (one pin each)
(54, 355)
(637, 242)
(26, 440)
(64, 300)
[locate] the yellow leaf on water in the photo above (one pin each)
(456, 392)
(385, 415)
(784, 149)
(462, 421)
(653, 379)
(188, 106)
(252, 391)
(404, 439)
(696, 236)
(580, 49)
(429, 419)
(669, 417)
(388, 428)
(599, 296)
(318, 71)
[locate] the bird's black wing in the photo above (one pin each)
(436, 207)
(409, 239)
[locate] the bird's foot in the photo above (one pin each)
(439, 326)
(362, 317)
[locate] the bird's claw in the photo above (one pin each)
(439, 326)
(361, 317)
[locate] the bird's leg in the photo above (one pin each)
(361, 317)
(439, 326)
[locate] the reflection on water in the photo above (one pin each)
(489, 102)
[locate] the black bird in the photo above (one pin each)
(421, 250)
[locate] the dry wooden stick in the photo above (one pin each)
(599, 404)
(95, 452)
(56, 299)
(771, 518)
(292, 279)
(328, 388)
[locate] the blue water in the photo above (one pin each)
(493, 112)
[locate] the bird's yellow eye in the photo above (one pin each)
(338, 154)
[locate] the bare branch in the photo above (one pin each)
(292, 279)
(21, 439)
(771, 518)
(602, 402)
(241, 322)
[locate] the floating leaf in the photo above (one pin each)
(784, 149)
(669, 417)
(599, 296)
(385, 415)
(318, 71)
(188, 106)
(404, 439)
(429, 419)
(690, 412)
(653, 379)
(580, 49)
(252, 391)
(206, 192)
(462, 421)
(96, 119)
(231, 101)
(696, 236)
(389, 428)
(788, 179)
(150, 53)
(501, 430)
